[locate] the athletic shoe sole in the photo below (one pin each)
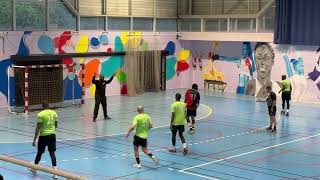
(155, 160)
(137, 166)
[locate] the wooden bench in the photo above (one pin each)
(217, 85)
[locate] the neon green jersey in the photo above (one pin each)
(179, 109)
(143, 123)
(286, 85)
(48, 119)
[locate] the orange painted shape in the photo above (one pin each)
(91, 68)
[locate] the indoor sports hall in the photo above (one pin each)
(108, 89)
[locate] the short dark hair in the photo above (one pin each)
(195, 86)
(178, 96)
(269, 87)
(45, 104)
(267, 45)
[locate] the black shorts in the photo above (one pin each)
(49, 140)
(179, 128)
(191, 112)
(272, 111)
(138, 141)
(286, 96)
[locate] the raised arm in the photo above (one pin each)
(109, 80)
(94, 79)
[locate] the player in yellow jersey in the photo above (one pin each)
(178, 120)
(142, 123)
(46, 127)
(286, 94)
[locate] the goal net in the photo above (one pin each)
(57, 84)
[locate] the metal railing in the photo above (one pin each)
(262, 21)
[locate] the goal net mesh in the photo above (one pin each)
(57, 85)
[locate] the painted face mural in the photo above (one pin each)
(264, 60)
(264, 57)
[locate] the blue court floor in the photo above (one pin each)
(230, 141)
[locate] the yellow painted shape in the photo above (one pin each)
(124, 38)
(82, 46)
(184, 55)
(133, 37)
(92, 90)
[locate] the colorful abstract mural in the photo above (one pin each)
(69, 42)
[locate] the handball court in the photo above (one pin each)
(230, 141)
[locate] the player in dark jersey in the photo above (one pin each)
(192, 99)
(272, 108)
(100, 96)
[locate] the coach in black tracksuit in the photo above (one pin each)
(100, 96)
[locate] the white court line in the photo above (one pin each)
(157, 150)
(72, 109)
(123, 133)
(231, 157)
(112, 135)
(199, 175)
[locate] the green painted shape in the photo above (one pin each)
(118, 44)
(122, 77)
(171, 67)
(109, 67)
(145, 46)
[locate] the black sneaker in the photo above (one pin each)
(107, 118)
(268, 128)
(191, 131)
(274, 130)
(287, 114)
(94, 120)
(185, 151)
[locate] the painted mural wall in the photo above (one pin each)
(248, 68)
(26, 43)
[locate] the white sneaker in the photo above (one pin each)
(55, 176)
(155, 160)
(137, 166)
(34, 172)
